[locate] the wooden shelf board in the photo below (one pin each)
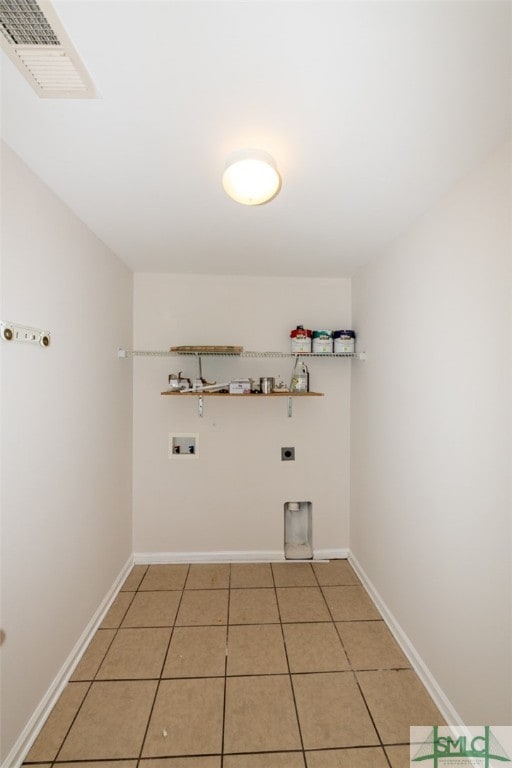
(249, 394)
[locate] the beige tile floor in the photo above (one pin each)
(286, 665)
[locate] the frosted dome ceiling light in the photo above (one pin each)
(251, 177)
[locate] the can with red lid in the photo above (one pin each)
(301, 339)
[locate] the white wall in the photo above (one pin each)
(431, 438)
(66, 437)
(231, 497)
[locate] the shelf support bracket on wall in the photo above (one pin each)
(200, 405)
(290, 408)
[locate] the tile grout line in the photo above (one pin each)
(334, 623)
(161, 672)
(94, 677)
(253, 623)
(91, 682)
(237, 675)
(225, 674)
(289, 671)
(116, 629)
(353, 672)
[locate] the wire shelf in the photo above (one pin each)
(247, 354)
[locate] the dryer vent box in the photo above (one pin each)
(298, 530)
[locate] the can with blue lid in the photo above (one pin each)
(344, 342)
(322, 342)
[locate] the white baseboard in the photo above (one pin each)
(29, 734)
(331, 554)
(427, 678)
(230, 556)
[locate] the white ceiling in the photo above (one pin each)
(371, 110)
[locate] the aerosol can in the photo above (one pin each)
(300, 377)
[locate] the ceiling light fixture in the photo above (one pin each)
(251, 177)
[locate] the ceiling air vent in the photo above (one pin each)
(35, 40)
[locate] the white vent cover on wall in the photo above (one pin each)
(35, 40)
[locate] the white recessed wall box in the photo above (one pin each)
(183, 445)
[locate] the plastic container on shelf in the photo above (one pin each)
(300, 377)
